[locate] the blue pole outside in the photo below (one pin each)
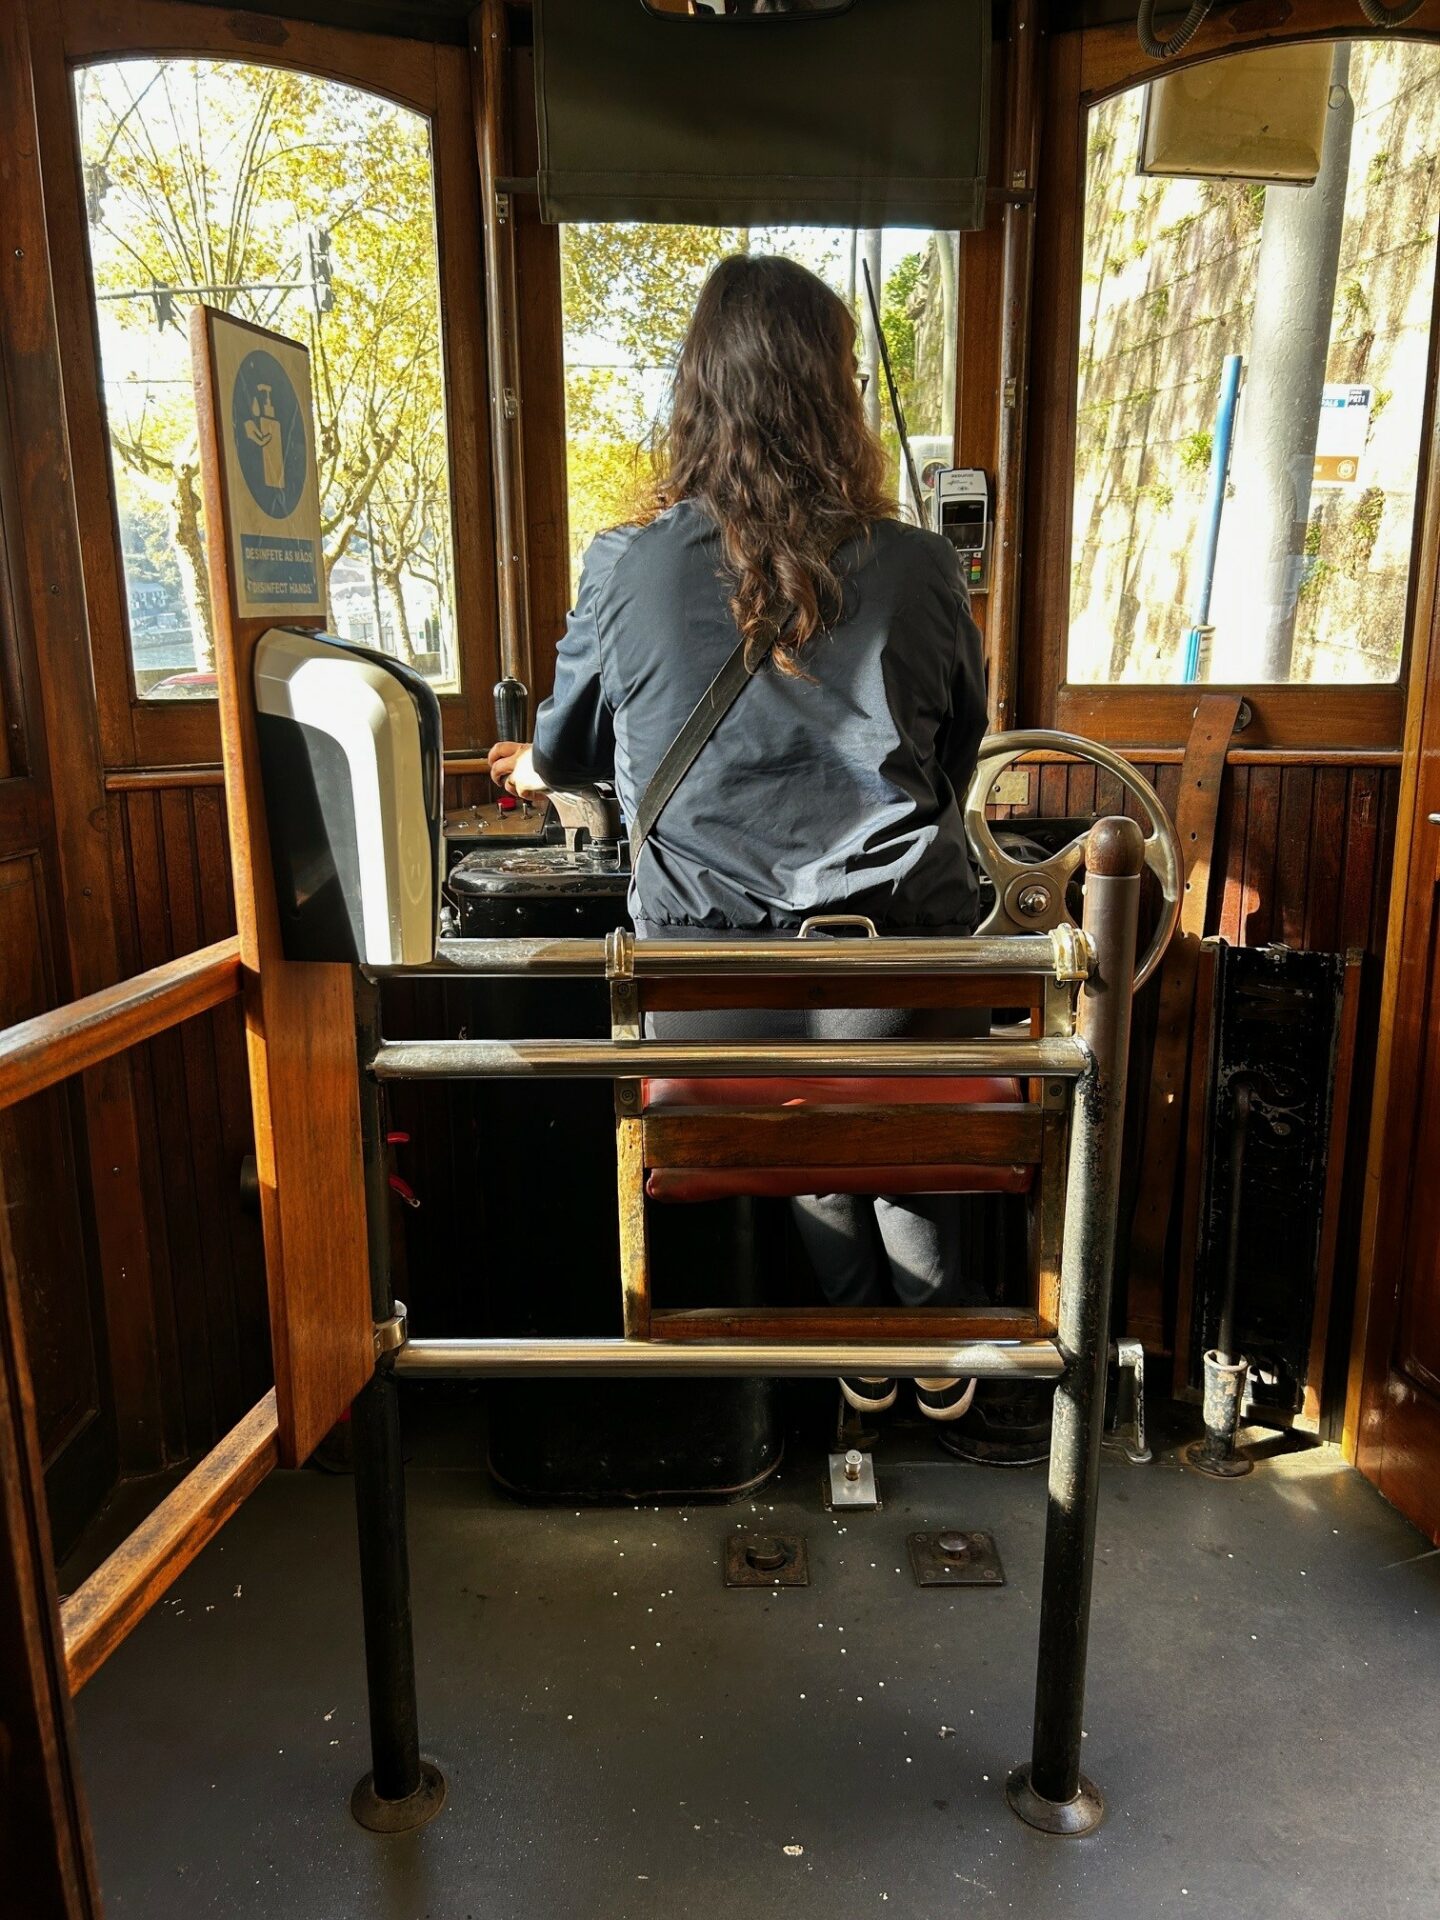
(1214, 507)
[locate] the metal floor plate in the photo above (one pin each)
(953, 1557)
(767, 1560)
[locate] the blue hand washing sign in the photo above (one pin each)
(269, 434)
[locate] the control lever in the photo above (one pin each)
(512, 709)
(577, 809)
(586, 807)
(512, 722)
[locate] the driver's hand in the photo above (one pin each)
(512, 768)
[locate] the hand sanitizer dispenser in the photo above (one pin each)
(350, 756)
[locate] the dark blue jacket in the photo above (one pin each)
(836, 793)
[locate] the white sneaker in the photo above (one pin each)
(869, 1393)
(944, 1399)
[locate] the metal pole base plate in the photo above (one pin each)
(399, 1816)
(1219, 1466)
(1083, 1814)
(850, 1481)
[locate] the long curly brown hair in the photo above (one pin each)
(767, 432)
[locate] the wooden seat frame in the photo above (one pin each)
(1031, 1133)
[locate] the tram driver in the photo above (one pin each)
(835, 783)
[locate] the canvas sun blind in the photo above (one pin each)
(874, 116)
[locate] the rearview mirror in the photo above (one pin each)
(741, 9)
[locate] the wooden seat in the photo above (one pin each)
(690, 1139)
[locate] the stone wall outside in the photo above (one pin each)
(1169, 271)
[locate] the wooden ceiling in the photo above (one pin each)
(445, 20)
(440, 20)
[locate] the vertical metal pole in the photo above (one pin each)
(490, 81)
(1214, 508)
(402, 1790)
(1051, 1793)
(1024, 106)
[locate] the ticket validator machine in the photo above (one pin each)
(350, 756)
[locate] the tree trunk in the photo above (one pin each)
(190, 559)
(1262, 553)
(404, 643)
(374, 575)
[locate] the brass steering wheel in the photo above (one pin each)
(1030, 895)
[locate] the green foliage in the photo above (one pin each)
(1196, 450)
(1179, 229)
(628, 295)
(635, 287)
(1102, 141)
(897, 321)
(1354, 307)
(1315, 577)
(1361, 530)
(608, 453)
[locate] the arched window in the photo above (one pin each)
(321, 184)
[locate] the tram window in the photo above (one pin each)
(1291, 324)
(629, 292)
(307, 207)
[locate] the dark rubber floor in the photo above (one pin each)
(622, 1736)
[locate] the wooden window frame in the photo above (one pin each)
(1084, 68)
(426, 78)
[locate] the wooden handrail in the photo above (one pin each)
(36, 1054)
(122, 1590)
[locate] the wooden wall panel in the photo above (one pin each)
(46, 1245)
(208, 1270)
(1302, 858)
(1302, 852)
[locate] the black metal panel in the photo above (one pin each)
(535, 1248)
(1274, 1031)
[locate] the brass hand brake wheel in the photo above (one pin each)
(1030, 895)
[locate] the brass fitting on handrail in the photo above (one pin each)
(620, 954)
(391, 1334)
(1074, 952)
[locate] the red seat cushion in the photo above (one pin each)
(723, 1183)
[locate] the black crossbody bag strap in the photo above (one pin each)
(711, 708)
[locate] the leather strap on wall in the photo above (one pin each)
(1201, 775)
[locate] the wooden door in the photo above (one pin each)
(46, 1240)
(1393, 1411)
